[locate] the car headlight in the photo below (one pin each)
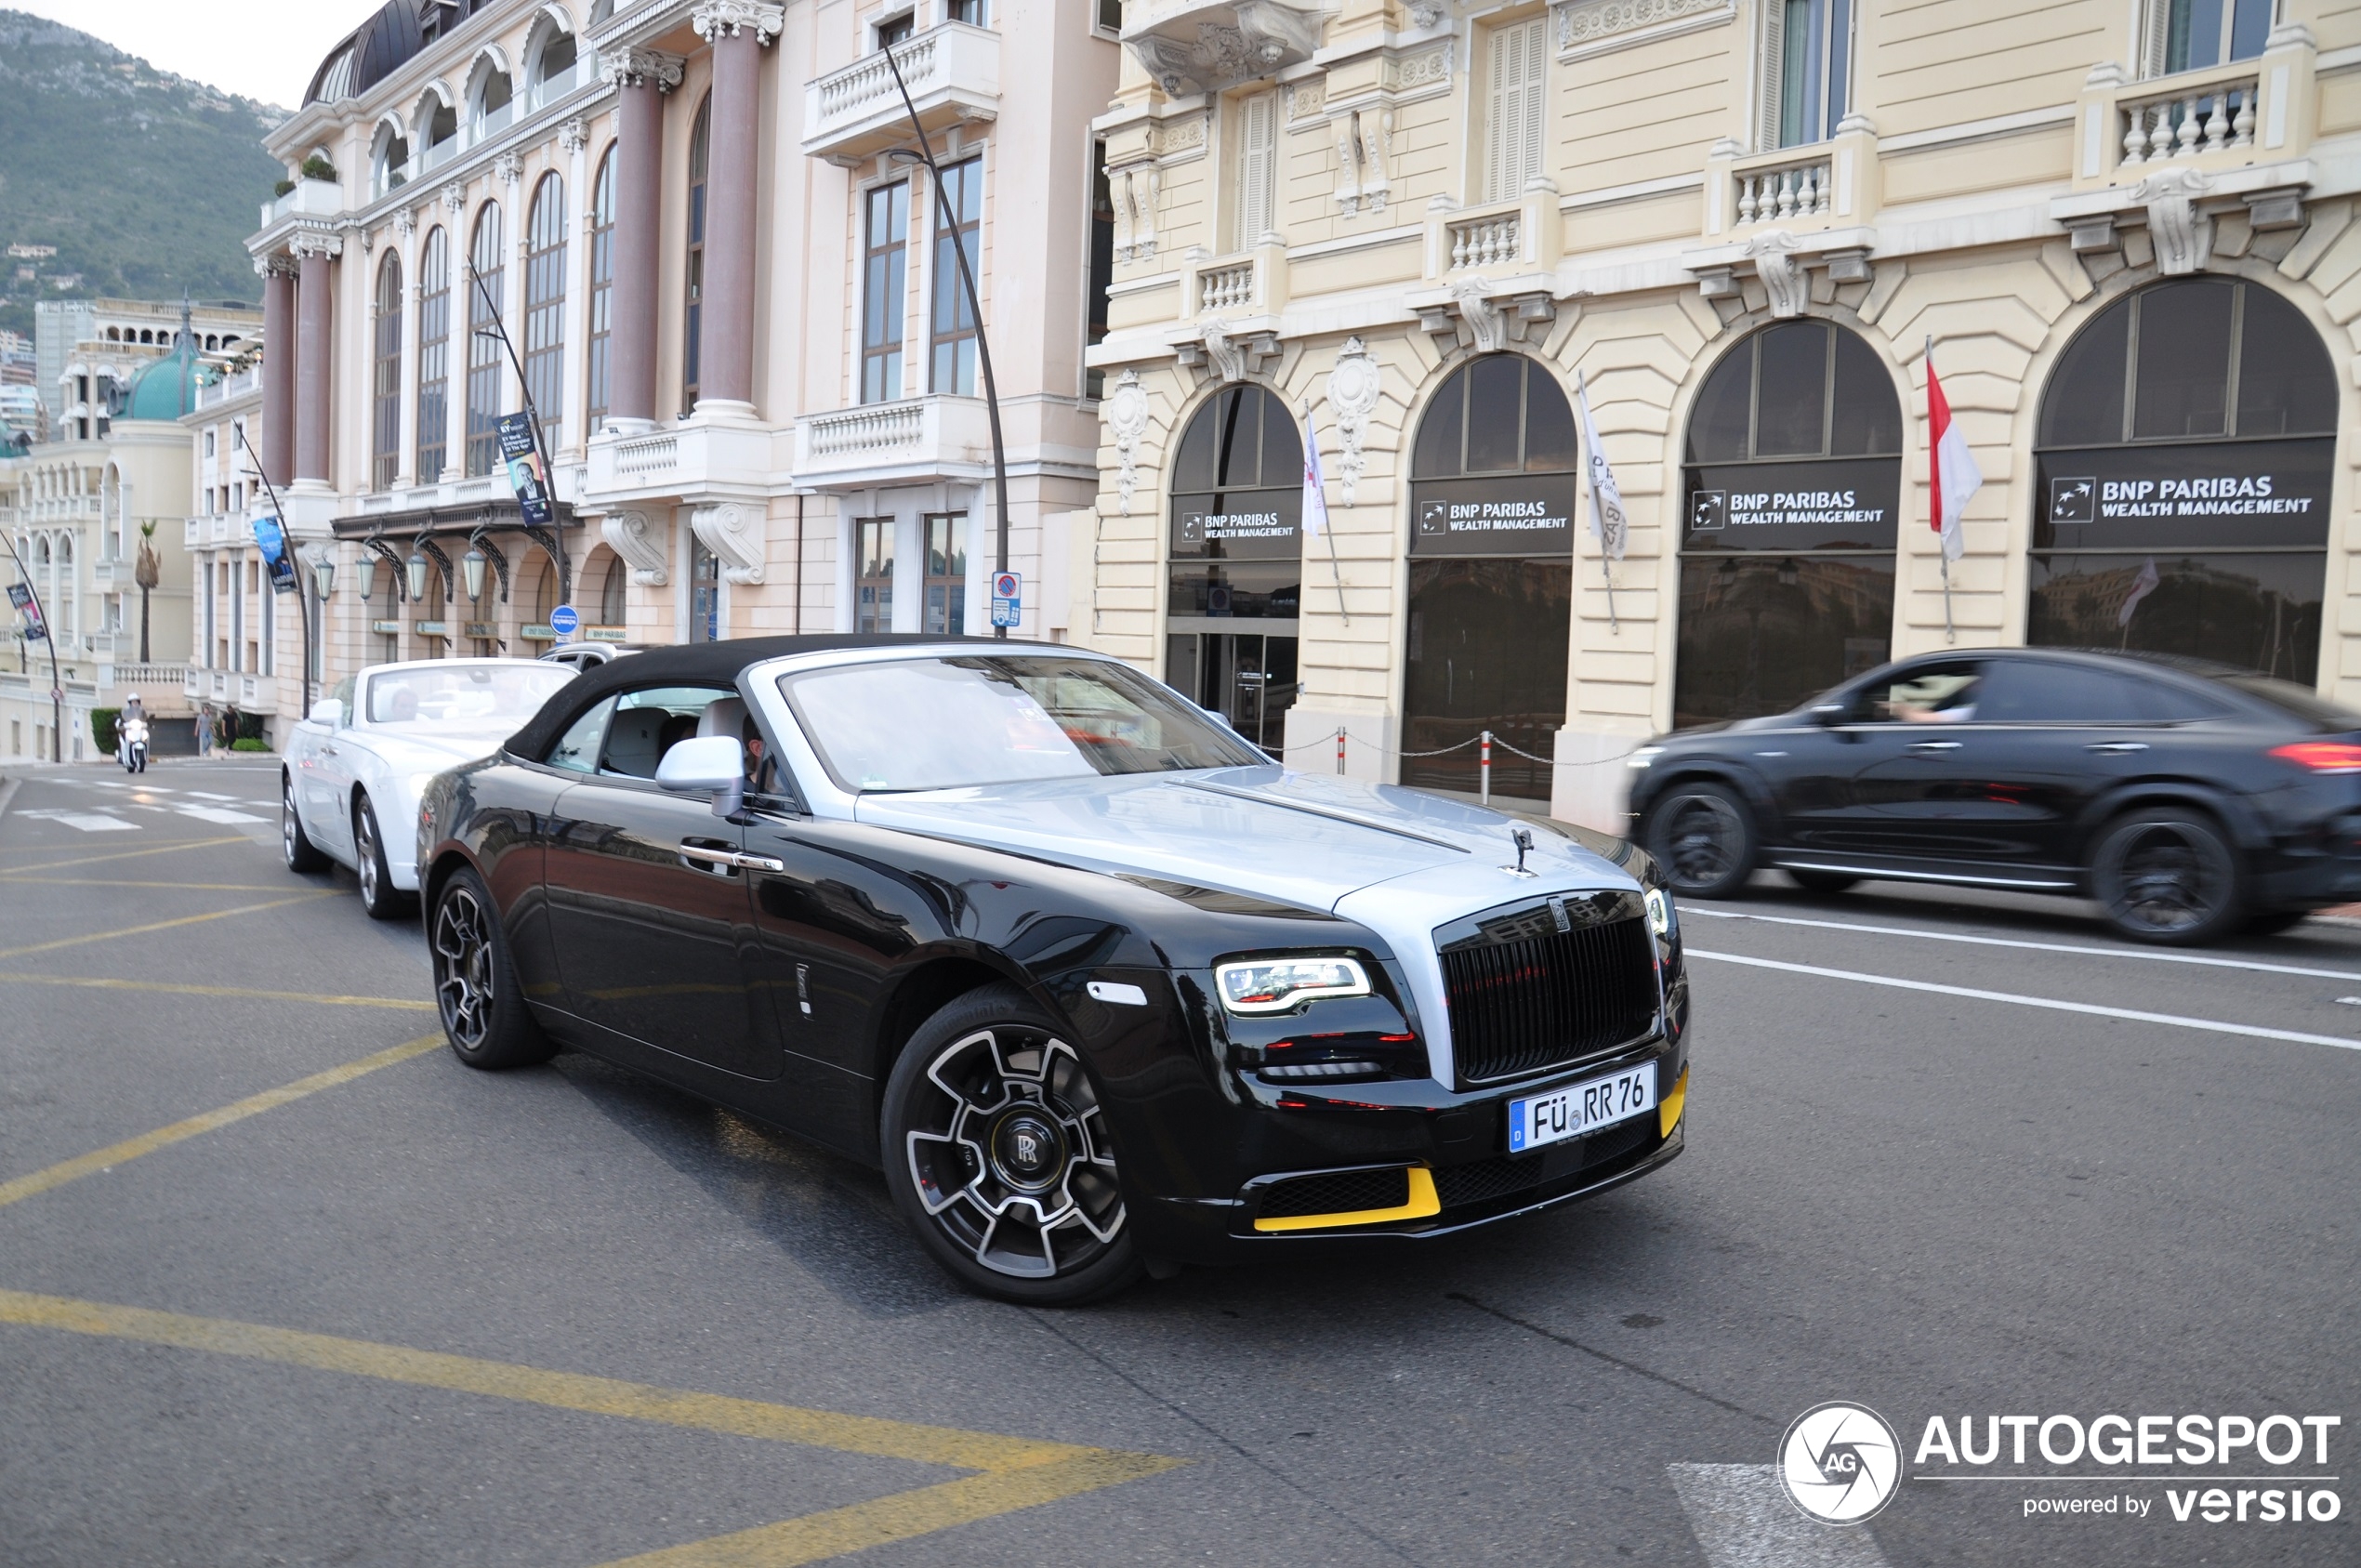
(1661, 920)
(1273, 986)
(1645, 756)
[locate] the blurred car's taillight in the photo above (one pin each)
(2322, 757)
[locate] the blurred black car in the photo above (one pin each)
(2188, 799)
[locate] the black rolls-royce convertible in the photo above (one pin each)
(1101, 988)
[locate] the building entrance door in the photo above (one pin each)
(1247, 678)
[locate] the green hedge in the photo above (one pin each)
(102, 723)
(247, 743)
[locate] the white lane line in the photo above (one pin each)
(2052, 1003)
(1742, 1518)
(87, 821)
(208, 794)
(2034, 946)
(217, 814)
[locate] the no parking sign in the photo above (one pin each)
(1008, 599)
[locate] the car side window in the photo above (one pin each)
(645, 725)
(577, 749)
(1945, 693)
(2033, 691)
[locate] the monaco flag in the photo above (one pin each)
(1954, 474)
(1315, 488)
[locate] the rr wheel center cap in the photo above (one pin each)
(1029, 1149)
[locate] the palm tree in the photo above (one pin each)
(146, 572)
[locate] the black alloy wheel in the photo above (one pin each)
(303, 856)
(997, 1152)
(475, 982)
(2167, 874)
(1703, 836)
(378, 895)
(1821, 881)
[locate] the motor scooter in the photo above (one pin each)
(131, 745)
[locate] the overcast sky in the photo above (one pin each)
(261, 49)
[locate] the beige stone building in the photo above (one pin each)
(2125, 226)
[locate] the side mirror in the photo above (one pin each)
(328, 711)
(703, 762)
(1828, 713)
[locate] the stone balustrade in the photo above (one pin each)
(2181, 124)
(1493, 240)
(1226, 287)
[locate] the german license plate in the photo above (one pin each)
(1580, 1109)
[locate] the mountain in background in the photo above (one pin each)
(147, 183)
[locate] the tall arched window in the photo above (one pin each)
(545, 308)
(602, 288)
(485, 260)
(1237, 561)
(693, 313)
(615, 590)
(385, 382)
(2183, 468)
(1791, 482)
(434, 354)
(1492, 500)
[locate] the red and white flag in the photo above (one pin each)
(2147, 583)
(1954, 474)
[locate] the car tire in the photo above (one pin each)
(2168, 874)
(476, 991)
(1821, 881)
(378, 895)
(303, 856)
(997, 1153)
(2278, 921)
(1703, 838)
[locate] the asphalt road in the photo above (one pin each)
(406, 1313)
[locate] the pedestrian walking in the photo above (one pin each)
(230, 720)
(205, 729)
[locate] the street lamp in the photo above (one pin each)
(368, 570)
(415, 570)
(323, 577)
(471, 567)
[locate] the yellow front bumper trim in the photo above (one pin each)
(1668, 1110)
(1423, 1202)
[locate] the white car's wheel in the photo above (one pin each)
(378, 895)
(303, 856)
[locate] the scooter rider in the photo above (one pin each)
(131, 736)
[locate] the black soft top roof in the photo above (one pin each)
(718, 663)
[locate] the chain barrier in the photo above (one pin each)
(1484, 739)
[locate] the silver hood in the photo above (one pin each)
(1396, 862)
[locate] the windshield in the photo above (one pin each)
(946, 723)
(465, 694)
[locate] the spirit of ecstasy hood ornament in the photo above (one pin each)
(1523, 838)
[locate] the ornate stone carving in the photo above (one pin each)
(1136, 191)
(1376, 155)
(1782, 276)
(509, 166)
(574, 135)
(733, 532)
(631, 537)
(1352, 395)
(1485, 321)
(1205, 47)
(1232, 359)
(454, 198)
(633, 68)
(2181, 235)
(1127, 416)
(716, 19)
(307, 243)
(1348, 164)
(1183, 135)
(405, 222)
(1228, 360)
(1306, 98)
(1425, 70)
(276, 265)
(1592, 21)
(1425, 14)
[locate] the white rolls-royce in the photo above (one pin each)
(356, 765)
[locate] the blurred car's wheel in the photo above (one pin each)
(1821, 881)
(1703, 836)
(302, 854)
(2167, 874)
(997, 1152)
(378, 895)
(475, 983)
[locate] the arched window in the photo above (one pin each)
(553, 68)
(2183, 471)
(437, 130)
(1791, 482)
(434, 354)
(545, 308)
(693, 315)
(390, 161)
(494, 105)
(613, 591)
(385, 382)
(1235, 581)
(485, 262)
(602, 287)
(1492, 502)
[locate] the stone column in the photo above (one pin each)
(315, 330)
(642, 77)
(737, 30)
(277, 442)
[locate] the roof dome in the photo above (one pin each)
(167, 389)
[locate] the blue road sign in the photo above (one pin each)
(565, 620)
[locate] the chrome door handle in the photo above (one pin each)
(2117, 748)
(725, 860)
(1934, 745)
(762, 862)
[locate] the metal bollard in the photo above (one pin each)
(1339, 751)
(1484, 767)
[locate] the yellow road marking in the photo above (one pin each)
(96, 982)
(1017, 1472)
(162, 924)
(114, 882)
(163, 1138)
(162, 848)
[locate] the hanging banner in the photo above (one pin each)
(270, 541)
(30, 628)
(526, 478)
